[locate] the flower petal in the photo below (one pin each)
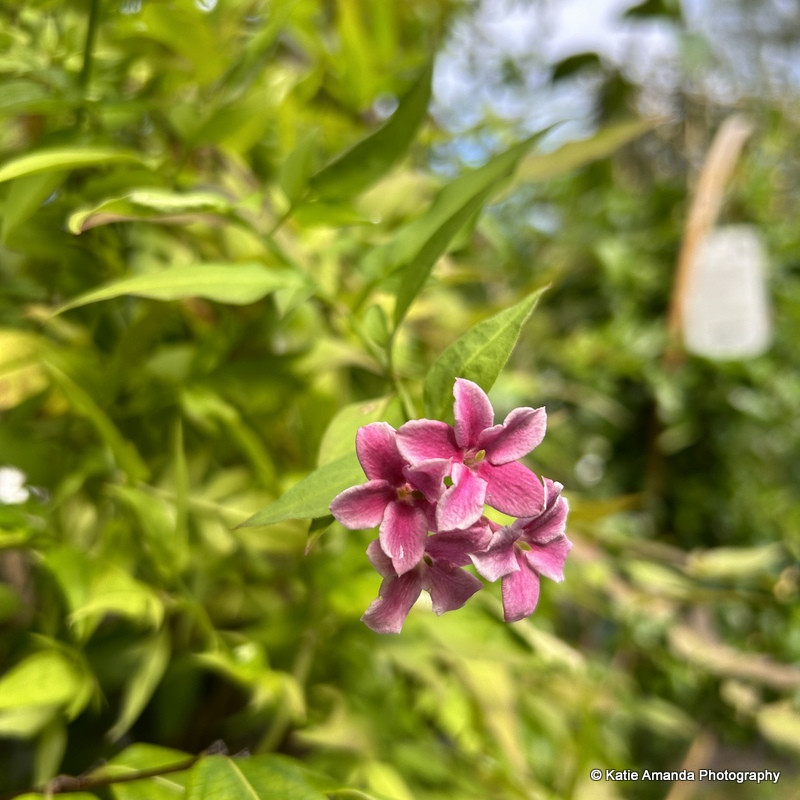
(380, 560)
(512, 488)
(387, 613)
(472, 410)
(462, 504)
(362, 506)
(499, 558)
(402, 535)
(520, 593)
(376, 447)
(455, 547)
(450, 587)
(522, 431)
(424, 439)
(550, 523)
(548, 559)
(428, 477)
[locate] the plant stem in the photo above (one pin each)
(88, 47)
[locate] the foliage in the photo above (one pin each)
(220, 256)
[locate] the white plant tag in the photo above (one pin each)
(726, 312)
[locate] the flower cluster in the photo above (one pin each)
(428, 483)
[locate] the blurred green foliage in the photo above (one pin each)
(220, 255)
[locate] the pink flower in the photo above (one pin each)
(522, 552)
(449, 585)
(483, 457)
(398, 497)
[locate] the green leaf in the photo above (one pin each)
(294, 172)
(114, 591)
(143, 683)
(72, 796)
(137, 758)
(414, 251)
(372, 157)
(312, 496)
(479, 355)
(237, 284)
(152, 204)
(21, 372)
(124, 451)
(571, 156)
(25, 196)
(35, 690)
(63, 158)
(339, 438)
(780, 723)
(266, 777)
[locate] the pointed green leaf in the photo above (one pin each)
(62, 158)
(372, 157)
(312, 496)
(265, 777)
(295, 171)
(415, 250)
(142, 683)
(153, 204)
(479, 355)
(237, 284)
(571, 156)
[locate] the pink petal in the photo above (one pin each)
(424, 439)
(473, 412)
(362, 506)
(376, 447)
(380, 560)
(548, 559)
(520, 593)
(522, 431)
(388, 612)
(499, 558)
(450, 587)
(462, 504)
(550, 523)
(428, 477)
(512, 488)
(402, 535)
(455, 547)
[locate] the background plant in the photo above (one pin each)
(231, 235)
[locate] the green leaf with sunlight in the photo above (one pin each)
(63, 158)
(312, 496)
(237, 284)
(374, 156)
(339, 438)
(38, 688)
(153, 205)
(264, 777)
(140, 758)
(479, 355)
(72, 796)
(21, 372)
(573, 155)
(410, 256)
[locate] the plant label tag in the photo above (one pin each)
(726, 310)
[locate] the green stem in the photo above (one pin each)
(88, 47)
